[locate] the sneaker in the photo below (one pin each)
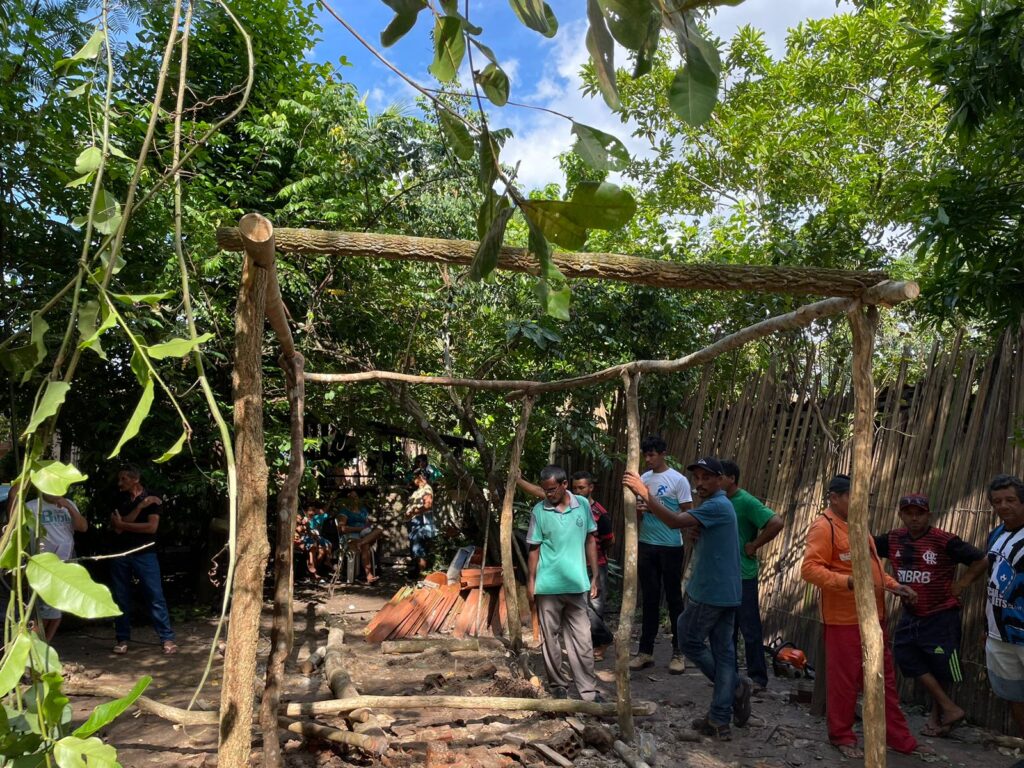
(741, 702)
(677, 666)
(558, 692)
(641, 661)
(705, 727)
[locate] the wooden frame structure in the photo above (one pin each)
(856, 294)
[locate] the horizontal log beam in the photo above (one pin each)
(602, 266)
(505, 704)
(799, 318)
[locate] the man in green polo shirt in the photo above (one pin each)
(563, 571)
(757, 526)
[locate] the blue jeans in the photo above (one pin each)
(748, 621)
(145, 567)
(700, 624)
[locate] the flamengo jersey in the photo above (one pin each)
(1005, 609)
(927, 565)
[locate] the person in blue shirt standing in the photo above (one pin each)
(563, 572)
(712, 595)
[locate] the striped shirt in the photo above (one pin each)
(1005, 609)
(927, 565)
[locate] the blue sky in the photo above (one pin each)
(543, 72)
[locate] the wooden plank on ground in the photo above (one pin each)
(449, 595)
(416, 605)
(388, 608)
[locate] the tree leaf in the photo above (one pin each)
(69, 587)
(73, 752)
(694, 89)
(24, 359)
(138, 416)
(449, 48)
(629, 21)
(494, 81)
(601, 205)
(80, 181)
(89, 331)
(552, 218)
(484, 50)
(554, 300)
(43, 657)
(177, 347)
(602, 54)
(456, 134)
(106, 217)
(174, 450)
(89, 160)
(15, 659)
(490, 150)
(406, 13)
(87, 52)
(105, 714)
(600, 150)
(54, 477)
(51, 401)
(486, 257)
(142, 298)
(537, 15)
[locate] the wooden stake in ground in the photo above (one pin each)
(282, 630)
(631, 383)
(508, 576)
(251, 546)
(863, 328)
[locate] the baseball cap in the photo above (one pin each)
(708, 464)
(839, 484)
(915, 500)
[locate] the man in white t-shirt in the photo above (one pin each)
(660, 554)
(59, 520)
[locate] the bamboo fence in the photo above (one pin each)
(946, 434)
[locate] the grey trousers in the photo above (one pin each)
(564, 623)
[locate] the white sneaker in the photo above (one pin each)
(641, 661)
(677, 666)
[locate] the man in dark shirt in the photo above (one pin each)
(135, 523)
(600, 635)
(927, 640)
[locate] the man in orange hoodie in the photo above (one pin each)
(828, 565)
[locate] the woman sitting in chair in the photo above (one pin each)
(353, 521)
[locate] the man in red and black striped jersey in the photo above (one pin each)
(600, 635)
(927, 640)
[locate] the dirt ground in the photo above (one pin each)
(780, 733)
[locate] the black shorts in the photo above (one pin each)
(924, 644)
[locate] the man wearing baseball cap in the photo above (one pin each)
(927, 640)
(828, 565)
(712, 594)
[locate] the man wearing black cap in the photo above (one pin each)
(828, 565)
(927, 640)
(712, 594)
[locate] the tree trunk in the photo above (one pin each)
(508, 576)
(863, 328)
(282, 630)
(631, 384)
(251, 546)
(606, 266)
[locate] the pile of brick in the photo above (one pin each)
(470, 607)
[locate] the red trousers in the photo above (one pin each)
(845, 678)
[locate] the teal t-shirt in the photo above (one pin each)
(716, 555)
(562, 537)
(672, 490)
(751, 517)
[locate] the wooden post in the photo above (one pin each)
(282, 630)
(508, 576)
(863, 326)
(251, 546)
(631, 383)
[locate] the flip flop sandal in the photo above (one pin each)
(170, 648)
(120, 648)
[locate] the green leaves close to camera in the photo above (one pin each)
(87, 52)
(54, 477)
(138, 416)
(177, 347)
(89, 331)
(631, 21)
(601, 47)
(457, 135)
(537, 15)
(68, 587)
(49, 403)
(694, 89)
(594, 205)
(73, 752)
(449, 48)
(173, 451)
(15, 659)
(600, 150)
(106, 217)
(495, 83)
(105, 714)
(90, 160)
(406, 13)
(486, 257)
(552, 288)
(23, 360)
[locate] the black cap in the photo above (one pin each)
(839, 484)
(915, 500)
(708, 464)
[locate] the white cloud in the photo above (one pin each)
(773, 18)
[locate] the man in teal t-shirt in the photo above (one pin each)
(563, 572)
(757, 526)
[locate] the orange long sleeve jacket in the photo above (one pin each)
(828, 565)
